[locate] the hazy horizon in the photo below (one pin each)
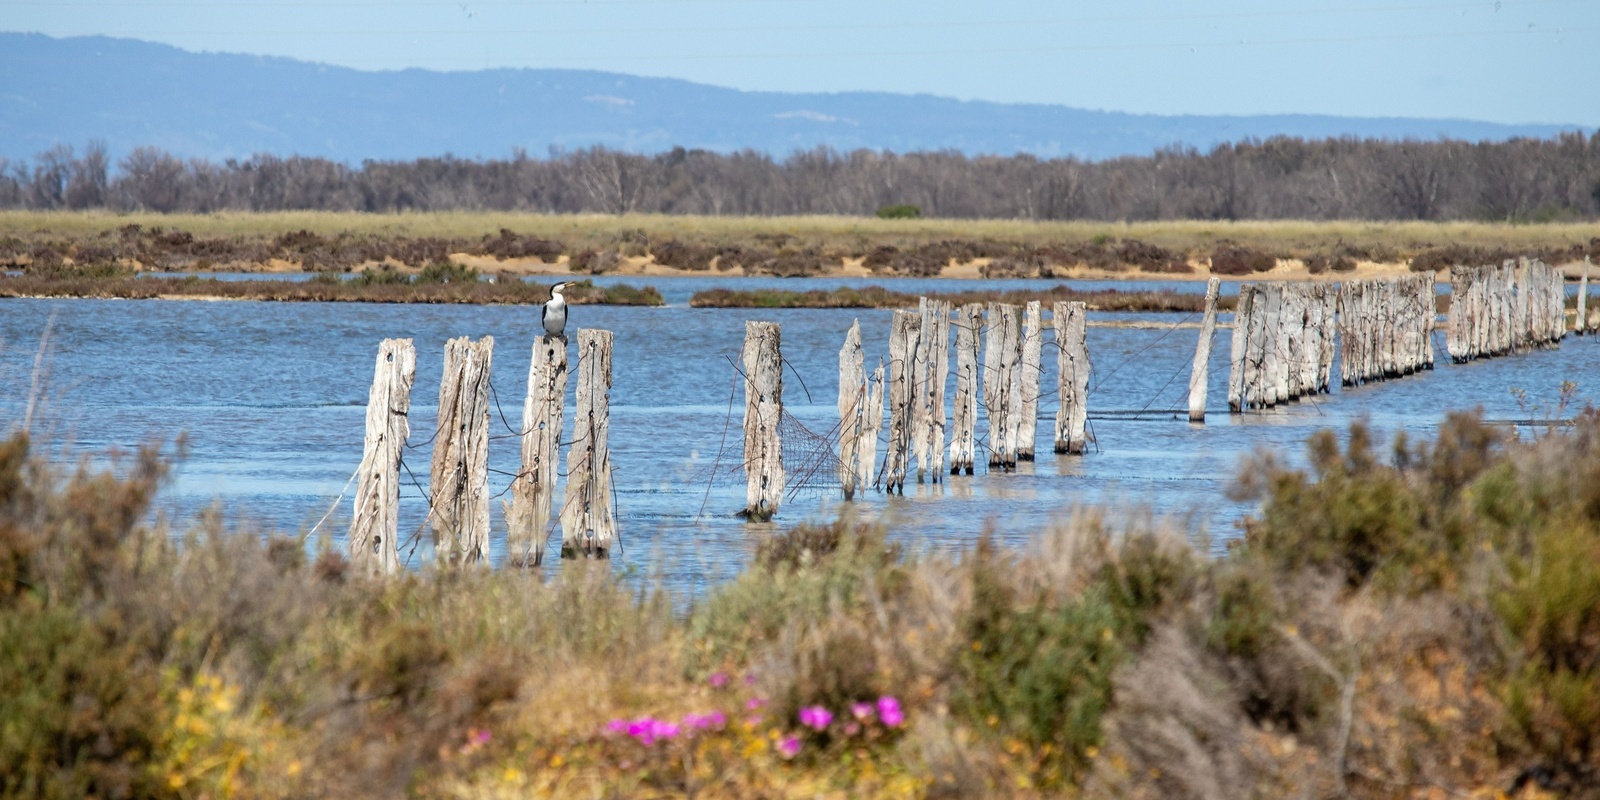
(1511, 61)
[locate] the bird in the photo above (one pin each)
(555, 313)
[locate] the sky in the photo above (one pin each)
(1511, 61)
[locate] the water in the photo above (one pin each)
(271, 398)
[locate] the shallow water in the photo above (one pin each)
(271, 398)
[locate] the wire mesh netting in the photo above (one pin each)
(810, 459)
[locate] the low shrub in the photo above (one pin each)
(1229, 259)
(899, 211)
(445, 272)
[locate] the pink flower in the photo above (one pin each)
(617, 726)
(889, 711)
(789, 747)
(861, 711)
(662, 729)
(715, 719)
(852, 728)
(754, 703)
(815, 717)
(479, 736)
(718, 680)
(749, 679)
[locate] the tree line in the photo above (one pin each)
(1521, 179)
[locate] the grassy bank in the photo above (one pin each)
(761, 245)
(1417, 622)
(879, 297)
(330, 290)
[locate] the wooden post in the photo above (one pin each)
(852, 408)
(375, 526)
(904, 335)
(1277, 348)
(588, 521)
(1307, 327)
(1012, 372)
(1293, 342)
(1239, 355)
(1072, 372)
(963, 446)
(871, 423)
(534, 489)
(997, 373)
(1202, 353)
(1028, 379)
(763, 410)
(1430, 306)
(1330, 339)
(919, 382)
(931, 369)
(1580, 324)
(460, 477)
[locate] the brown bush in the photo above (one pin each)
(509, 244)
(678, 255)
(595, 262)
(1232, 259)
(1024, 266)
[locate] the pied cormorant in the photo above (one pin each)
(555, 313)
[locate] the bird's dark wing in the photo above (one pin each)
(544, 314)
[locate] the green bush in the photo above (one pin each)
(446, 272)
(1038, 670)
(900, 211)
(382, 276)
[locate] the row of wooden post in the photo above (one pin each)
(1510, 308)
(1386, 328)
(458, 483)
(1282, 345)
(919, 370)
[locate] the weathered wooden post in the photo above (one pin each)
(763, 410)
(376, 522)
(1456, 320)
(534, 489)
(1202, 353)
(1430, 306)
(852, 408)
(921, 423)
(905, 333)
(871, 423)
(1580, 324)
(1276, 343)
(1072, 372)
(1330, 339)
(933, 371)
(963, 444)
(1028, 379)
(1239, 355)
(1293, 342)
(1011, 375)
(459, 480)
(999, 374)
(588, 521)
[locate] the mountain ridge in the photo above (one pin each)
(131, 93)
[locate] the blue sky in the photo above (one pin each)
(1514, 61)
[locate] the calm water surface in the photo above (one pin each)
(271, 398)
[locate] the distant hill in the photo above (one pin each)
(131, 93)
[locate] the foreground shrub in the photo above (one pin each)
(1395, 620)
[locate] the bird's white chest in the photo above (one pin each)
(555, 317)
